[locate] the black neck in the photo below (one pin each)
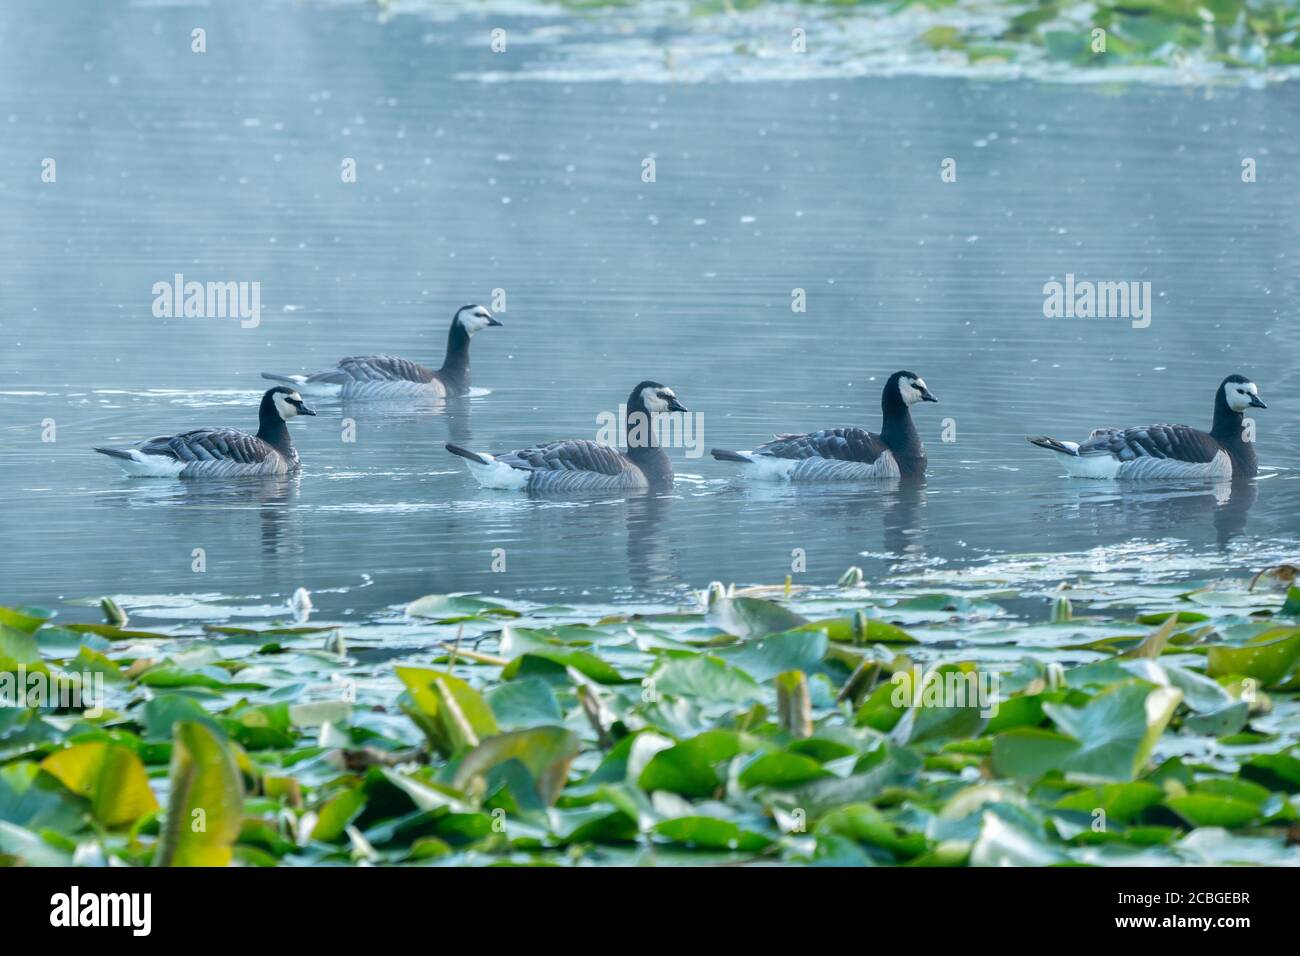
(642, 449)
(455, 367)
(1227, 430)
(897, 429)
(271, 427)
(654, 464)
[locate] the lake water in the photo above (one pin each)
(225, 166)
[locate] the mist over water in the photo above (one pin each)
(226, 167)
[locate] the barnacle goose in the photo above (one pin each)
(1170, 451)
(577, 464)
(222, 452)
(848, 453)
(389, 377)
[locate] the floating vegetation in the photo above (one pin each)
(1180, 41)
(844, 725)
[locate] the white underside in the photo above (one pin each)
(150, 466)
(771, 468)
(497, 474)
(1108, 466)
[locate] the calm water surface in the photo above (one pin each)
(225, 166)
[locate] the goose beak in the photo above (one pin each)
(927, 395)
(493, 320)
(1257, 402)
(304, 410)
(675, 406)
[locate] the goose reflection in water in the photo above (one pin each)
(1131, 509)
(455, 411)
(896, 506)
(272, 496)
(584, 522)
(652, 565)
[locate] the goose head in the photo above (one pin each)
(286, 402)
(911, 388)
(475, 318)
(654, 398)
(1240, 393)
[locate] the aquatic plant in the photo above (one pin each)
(840, 725)
(1045, 37)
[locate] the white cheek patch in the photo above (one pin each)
(653, 403)
(1238, 395)
(473, 322)
(911, 394)
(282, 405)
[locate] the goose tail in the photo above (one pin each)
(722, 454)
(473, 456)
(1062, 447)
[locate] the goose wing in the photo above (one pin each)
(838, 444)
(211, 444)
(1172, 442)
(573, 454)
(373, 368)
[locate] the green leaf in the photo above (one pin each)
(863, 823)
(21, 620)
(18, 644)
(517, 644)
(754, 617)
(112, 633)
(206, 806)
(35, 800)
(691, 768)
(524, 703)
(453, 715)
(1208, 810)
(1268, 658)
(780, 769)
(1117, 729)
(162, 712)
(1121, 802)
(1064, 45)
(1275, 771)
(765, 657)
(942, 38)
(946, 704)
(449, 608)
(1182, 617)
(705, 678)
(337, 813)
(110, 776)
(861, 630)
(1027, 753)
(711, 833)
(545, 752)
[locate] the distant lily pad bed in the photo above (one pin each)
(1186, 42)
(1082, 723)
